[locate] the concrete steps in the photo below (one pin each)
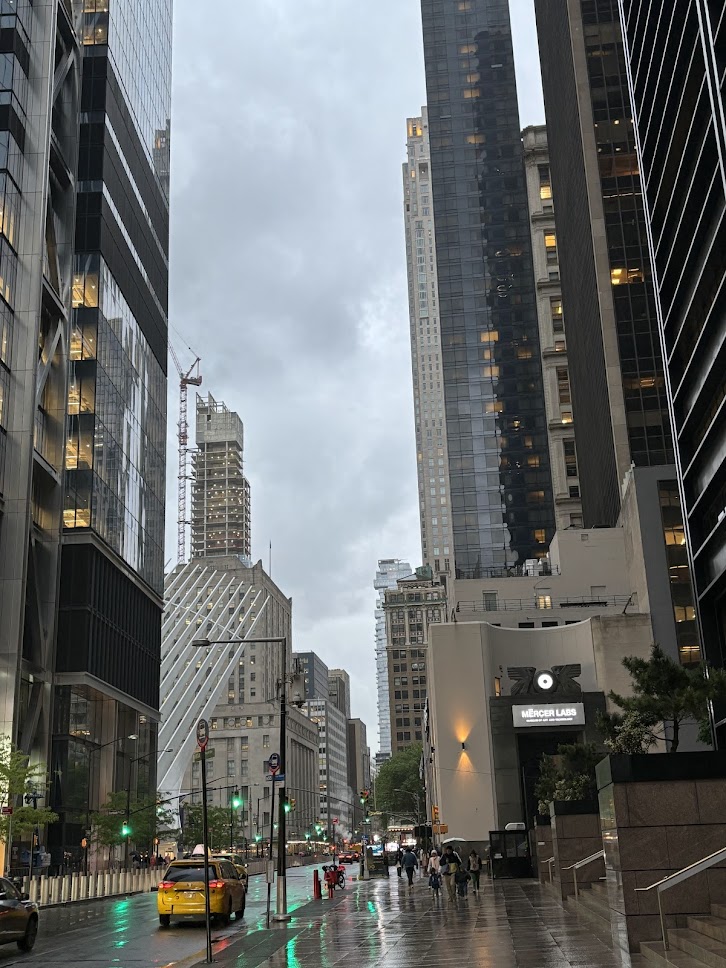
(593, 905)
(702, 944)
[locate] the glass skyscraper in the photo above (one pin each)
(675, 60)
(112, 581)
(495, 426)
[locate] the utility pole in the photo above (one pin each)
(282, 914)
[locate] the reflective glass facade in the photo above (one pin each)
(501, 495)
(675, 54)
(110, 622)
(616, 366)
(116, 425)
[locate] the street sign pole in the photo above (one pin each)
(272, 834)
(202, 740)
(281, 912)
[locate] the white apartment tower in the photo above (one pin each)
(432, 457)
(220, 491)
(551, 322)
(389, 571)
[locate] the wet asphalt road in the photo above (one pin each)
(124, 932)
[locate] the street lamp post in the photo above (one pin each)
(281, 914)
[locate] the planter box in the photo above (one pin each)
(576, 834)
(660, 812)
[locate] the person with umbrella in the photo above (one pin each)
(451, 864)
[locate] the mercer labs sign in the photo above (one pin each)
(549, 714)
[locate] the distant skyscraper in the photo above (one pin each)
(389, 571)
(550, 315)
(501, 495)
(220, 491)
(315, 675)
(613, 347)
(428, 389)
(339, 690)
(675, 54)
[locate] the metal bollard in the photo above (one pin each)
(317, 892)
(74, 887)
(55, 885)
(44, 891)
(67, 887)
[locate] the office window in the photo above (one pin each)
(563, 385)
(568, 447)
(545, 183)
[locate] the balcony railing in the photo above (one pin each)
(544, 602)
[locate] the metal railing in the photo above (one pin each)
(550, 861)
(583, 863)
(678, 878)
(544, 602)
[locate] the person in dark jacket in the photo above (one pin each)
(409, 863)
(399, 861)
(451, 864)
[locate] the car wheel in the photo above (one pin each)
(164, 920)
(31, 933)
(241, 913)
(224, 918)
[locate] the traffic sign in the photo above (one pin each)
(202, 733)
(280, 777)
(208, 754)
(335, 819)
(273, 763)
(7, 812)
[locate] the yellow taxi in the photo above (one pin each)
(236, 859)
(181, 892)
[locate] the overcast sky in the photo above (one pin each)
(288, 278)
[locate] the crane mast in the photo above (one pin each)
(187, 378)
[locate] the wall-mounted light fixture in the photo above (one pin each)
(463, 746)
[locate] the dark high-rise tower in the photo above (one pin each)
(501, 494)
(616, 367)
(112, 568)
(676, 58)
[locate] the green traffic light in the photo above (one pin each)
(287, 806)
(236, 800)
(125, 830)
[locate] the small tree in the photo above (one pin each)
(218, 824)
(19, 779)
(627, 733)
(401, 773)
(147, 816)
(569, 775)
(667, 693)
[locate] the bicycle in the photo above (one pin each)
(334, 876)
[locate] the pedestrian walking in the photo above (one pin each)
(409, 863)
(399, 861)
(450, 865)
(433, 869)
(474, 866)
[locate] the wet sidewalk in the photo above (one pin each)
(383, 924)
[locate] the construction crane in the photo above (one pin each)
(192, 377)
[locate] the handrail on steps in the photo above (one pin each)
(550, 861)
(682, 875)
(583, 863)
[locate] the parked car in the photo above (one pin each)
(236, 859)
(18, 916)
(349, 857)
(181, 892)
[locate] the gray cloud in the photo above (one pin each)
(289, 279)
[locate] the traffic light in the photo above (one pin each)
(435, 813)
(236, 799)
(292, 803)
(125, 829)
(364, 796)
(286, 804)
